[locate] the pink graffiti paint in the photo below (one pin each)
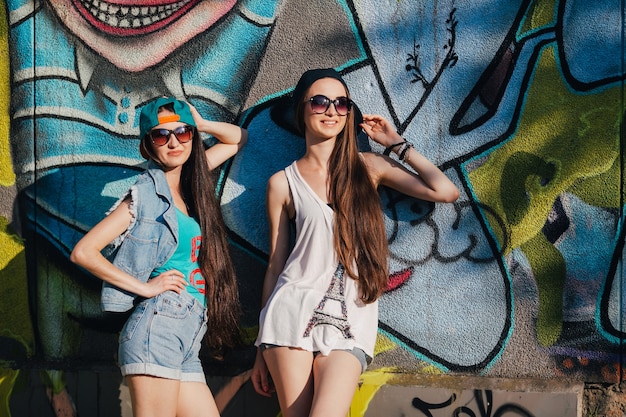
(135, 35)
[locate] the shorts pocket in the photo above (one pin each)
(172, 305)
(132, 323)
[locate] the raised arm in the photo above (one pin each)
(231, 138)
(87, 254)
(427, 183)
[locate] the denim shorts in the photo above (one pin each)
(358, 353)
(162, 337)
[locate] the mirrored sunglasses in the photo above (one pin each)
(320, 104)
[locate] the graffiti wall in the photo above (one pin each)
(520, 102)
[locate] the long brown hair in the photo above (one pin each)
(359, 232)
(197, 188)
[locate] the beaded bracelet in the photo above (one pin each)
(389, 148)
(405, 149)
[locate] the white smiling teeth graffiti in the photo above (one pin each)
(135, 17)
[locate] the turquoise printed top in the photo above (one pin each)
(185, 258)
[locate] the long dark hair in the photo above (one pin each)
(222, 296)
(359, 232)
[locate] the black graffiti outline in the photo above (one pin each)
(485, 408)
(394, 199)
(449, 61)
(425, 406)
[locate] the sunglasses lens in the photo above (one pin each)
(342, 105)
(319, 104)
(159, 136)
(184, 133)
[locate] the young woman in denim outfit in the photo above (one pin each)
(318, 326)
(170, 262)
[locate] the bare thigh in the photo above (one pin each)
(160, 397)
(196, 400)
(335, 380)
(153, 396)
(291, 371)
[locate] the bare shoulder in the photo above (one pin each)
(376, 165)
(279, 193)
(278, 187)
(278, 181)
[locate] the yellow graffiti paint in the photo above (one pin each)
(383, 344)
(370, 383)
(14, 313)
(7, 177)
(564, 142)
(541, 14)
(548, 267)
(577, 135)
(431, 370)
(7, 381)
(14, 320)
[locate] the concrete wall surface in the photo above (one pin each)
(454, 396)
(520, 102)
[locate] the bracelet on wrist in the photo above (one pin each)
(401, 149)
(389, 148)
(405, 149)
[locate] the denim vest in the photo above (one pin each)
(149, 241)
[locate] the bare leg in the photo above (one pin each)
(228, 391)
(291, 371)
(195, 400)
(152, 396)
(336, 377)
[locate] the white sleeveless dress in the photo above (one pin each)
(314, 306)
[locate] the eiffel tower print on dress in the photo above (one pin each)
(335, 292)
